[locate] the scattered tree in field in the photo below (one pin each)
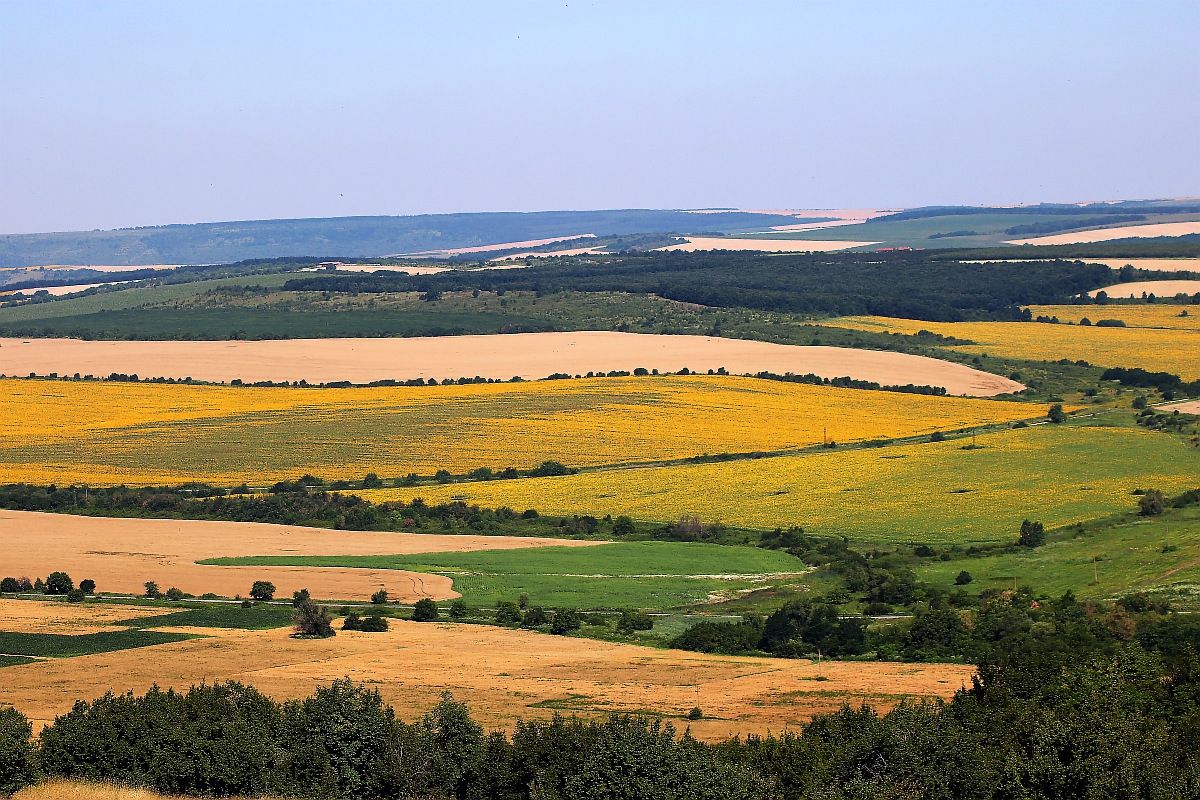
(10, 585)
(313, 620)
(352, 622)
(963, 578)
(937, 436)
(507, 613)
(623, 526)
(75, 596)
(695, 714)
(380, 598)
(1139, 402)
(633, 620)
(152, 590)
(1033, 534)
(425, 610)
(88, 586)
(299, 597)
(534, 617)
(1152, 503)
(174, 593)
(39, 585)
(262, 590)
(565, 620)
(59, 583)
(459, 609)
(1056, 414)
(374, 624)
(371, 481)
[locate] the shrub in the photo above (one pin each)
(262, 590)
(633, 620)
(937, 436)
(425, 610)
(534, 617)
(88, 586)
(695, 714)
(507, 613)
(18, 765)
(1152, 503)
(174, 593)
(352, 622)
(565, 620)
(299, 597)
(1033, 534)
(963, 578)
(371, 481)
(1139, 402)
(313, 620)
(459, 609)
(623, 526)
(380, 598)
(374, 624)
(76, 596)
(59, 583)
(152, 590)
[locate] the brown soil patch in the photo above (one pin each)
(1156, 288)
(695, 243)
(1188, 407)
(529, 355)
(38, 616)
(1106, 234)
(120, 555)
(501, 674)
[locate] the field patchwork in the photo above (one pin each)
(95, 433)
(933, 493)
(1149, 315)
(1171, 351)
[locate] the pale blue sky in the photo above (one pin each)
(138, 113)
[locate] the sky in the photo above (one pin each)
(123, 114)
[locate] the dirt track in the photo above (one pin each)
(529, 355)
(501, 674)
(120, 555)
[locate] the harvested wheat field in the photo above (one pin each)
(1171, 351)
(1149, 315)
(58, 789)
(1160, 289)
(499, 356)
(501, 674)
(120, 555)
(1107, 234)
(33, 616)
(94, 433)
(695, 243)
(1152, 264)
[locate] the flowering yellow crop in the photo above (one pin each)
(909, 493)
(1173, 351)
(1143, 315)
(99, 433)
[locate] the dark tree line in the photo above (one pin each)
(904, 284)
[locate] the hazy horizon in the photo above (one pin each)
(123, 114)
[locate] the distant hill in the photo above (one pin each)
(363, 237)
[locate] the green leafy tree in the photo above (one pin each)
(302, 596)
(88, 586)
(10, 585)
(18, 759)
(262, 590)
(963, 578)
(76, 596)
(374, 624)
(380, 598)
(152, 590)
(459, 609)
(565, 621)
(623, 526)
(1033, 534)
(1056, 414)
(535, 617)
(174, 593)
(59, 583)
(1152, 503)
(507, 613)
(371, 481)
(633, 620)
(313, 620)
(425, 610)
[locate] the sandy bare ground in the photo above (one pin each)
(1156, 288)
(529, 355)
(1187, 407)
(487, 248)
(501, 674)
(695, 243)
(120, 555)
(1106, 234)
(59, 291)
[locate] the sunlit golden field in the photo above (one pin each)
(1152, 315)
(106, 433)
(911, 493)
(1173, 351)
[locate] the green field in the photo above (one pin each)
(649, 575)
(1129, 557)
(260, 616)
(58, 645)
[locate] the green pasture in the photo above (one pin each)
(1159, 555)
(650, 575)
(58, 645)
(258, 617)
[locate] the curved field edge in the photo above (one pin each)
(153, 434)
(942, 492)
(655, 575)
